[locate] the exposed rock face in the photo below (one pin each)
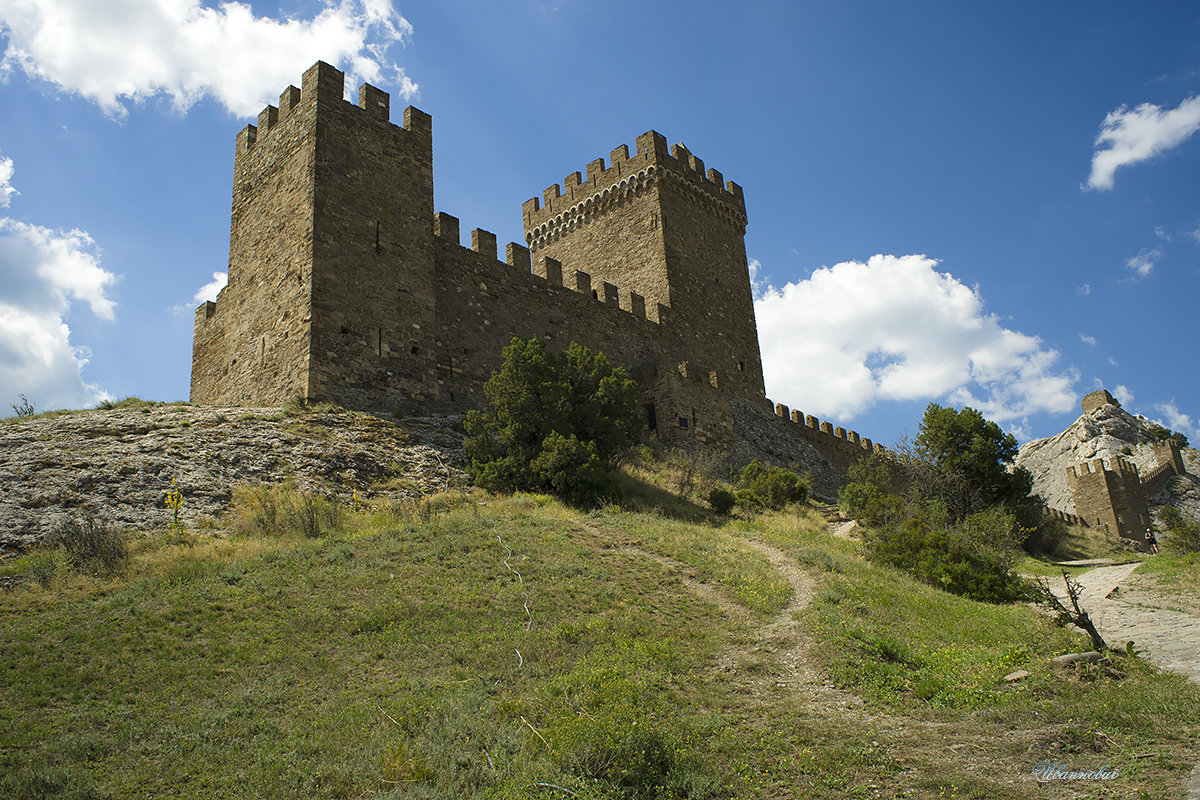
(118, 465)
(1105, 432)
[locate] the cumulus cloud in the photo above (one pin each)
(1087, 339)
(1176, 420)
(42, 274)
(6, 187)
(1132, 136)
(131, 50)
(1143, 263)
(854, 334)
(210, 290)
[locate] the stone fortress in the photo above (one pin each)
(1112, 494)
(345, 286)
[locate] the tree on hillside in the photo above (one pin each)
(963, 459)
(556, 422)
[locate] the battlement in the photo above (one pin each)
(1099, 465)
(324, 84)
(814, 426)
(578, 200)
(549, 270)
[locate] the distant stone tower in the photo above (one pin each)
(658, 224)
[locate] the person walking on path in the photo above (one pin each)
(1151, 542)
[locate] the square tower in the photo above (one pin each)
(673, 234)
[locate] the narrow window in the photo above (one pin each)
(378, 249)
(683, 422)
(651, 418)
(379, 344)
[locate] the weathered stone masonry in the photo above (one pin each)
(344, 285)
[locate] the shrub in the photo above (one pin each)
(91, 545)
(556, 423)
(1185, 533)
(25, 408)
(772, 487)
(948, 558)
(722, 500)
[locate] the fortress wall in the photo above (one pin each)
(482, 303)
(250, 347)
(840, 447)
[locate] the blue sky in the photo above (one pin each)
(976, 204)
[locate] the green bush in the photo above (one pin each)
(1185, 533)
(91, 545)
(771, 487)
(722, 500)
(948, 558)
(556, 423)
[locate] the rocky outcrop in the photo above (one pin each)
(1106, 432)
(119, 464)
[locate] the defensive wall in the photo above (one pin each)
(346, 286)
(1112, 494)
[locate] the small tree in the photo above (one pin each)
(556, 422)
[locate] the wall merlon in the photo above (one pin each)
(571, 181)
(812, 422)
(797, 416)
(246, 138)
(374, 101)
(637, 305)
(418, 122)
(839, 433)
(289, 99)
(595, 169)
(484, 243)
(516, 255)
(583, 282)
(551, 192)
(446, 227)
(827, 427)
(267, 119)
(529, 208)
(322, 83)
(611, 296)
(550, 269)
(619, 155)
(652, 144)
(781, 410)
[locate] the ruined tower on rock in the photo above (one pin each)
(346, 286)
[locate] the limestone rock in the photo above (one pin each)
(1105, 432)
(119, 464)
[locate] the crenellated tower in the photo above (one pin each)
(657, 223)
(331, 264)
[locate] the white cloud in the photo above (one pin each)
(1130, 137)
(1176, 420)
(41, 273)
(1123, 394)
(1161, 233)
(1112, 362)
(759, 283)
(1195, 233)
(1085, 289)
(894, 328)
(209, 290)
(1087, 339)
(116, 51)
(6, 187)
(1143, 263)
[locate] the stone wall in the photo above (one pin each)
(1109, 495)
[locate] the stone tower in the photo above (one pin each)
(657, 223)
(331, 262)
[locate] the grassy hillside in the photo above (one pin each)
(477, 646)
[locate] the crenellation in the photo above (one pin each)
(446, 226)
(611, 296)
(289, 99)
(827, 428)
(484, 243)
(246, 138)
(716, 178)
(621, 153)
(797, 416)
(781, 410)
(267, 119)
(550, 269)
(812, 422)
(595, 170)
(583, 282)
(518, 256)
(839, 433)
(376, 102)
(637, 305)
(570, 182)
